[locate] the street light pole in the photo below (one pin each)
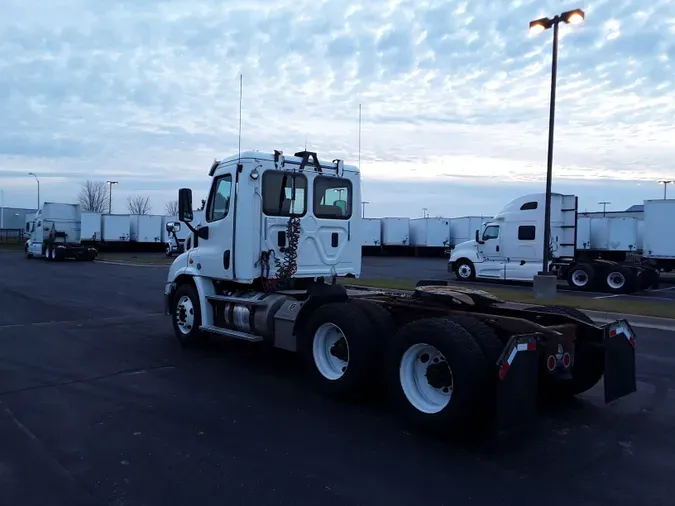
(110, 185)
(574, 16)
(38, 185)
(665, 184)
(604, 207)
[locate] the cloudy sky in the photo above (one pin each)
(455, 96)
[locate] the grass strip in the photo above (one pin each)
(135, 259)
(612, 305)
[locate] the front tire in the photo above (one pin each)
(437, 377)
(465, 270)
(186, 317)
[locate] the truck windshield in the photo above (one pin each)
(277, 193)
(332, 198)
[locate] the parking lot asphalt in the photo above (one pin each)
(414, 269)
(100, 405)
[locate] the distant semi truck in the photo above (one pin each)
(55, 234)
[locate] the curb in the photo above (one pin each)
(647, 322)
(132, 264)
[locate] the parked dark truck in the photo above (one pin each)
(278, 234)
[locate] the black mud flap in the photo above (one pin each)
(620, 377)
(517, 382)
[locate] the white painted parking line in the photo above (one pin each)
(664, 289)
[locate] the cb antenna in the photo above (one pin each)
(359, 136)
(241, 93)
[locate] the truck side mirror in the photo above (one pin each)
(185, 213)
(477, 238)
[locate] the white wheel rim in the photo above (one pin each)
(185, 315)
(417, 386)
(52, 253)
(464, 271)
(579, 278)
(331, 351)
(616, 280)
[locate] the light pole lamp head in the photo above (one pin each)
(539, 25)
(665, 181)
(573, 17)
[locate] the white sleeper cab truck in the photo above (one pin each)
(510, 247)
(279, 237)
(55, 234)
(175, 244)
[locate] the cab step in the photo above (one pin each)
(237, 334)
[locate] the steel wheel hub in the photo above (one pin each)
(185, 314)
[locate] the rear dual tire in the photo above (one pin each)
(439, 373)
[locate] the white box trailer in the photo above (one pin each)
(145, 228)
(371, 232)
(463, 228)
(617, 234)
(430, 232)
(90, 229)
(659, 230)
(395, 231)
(115, 228)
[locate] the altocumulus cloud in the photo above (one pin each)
(147, 91)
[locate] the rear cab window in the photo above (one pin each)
(332, 198)
(277, 193)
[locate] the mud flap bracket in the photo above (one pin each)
(517, 382)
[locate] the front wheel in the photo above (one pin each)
(167, 251)
(465, 270)
(186, 317)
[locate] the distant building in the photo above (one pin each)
(14, 218)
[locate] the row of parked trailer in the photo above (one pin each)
(610, 237)
(60, 229)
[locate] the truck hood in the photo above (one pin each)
(467, 249)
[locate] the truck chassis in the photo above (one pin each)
(452, 360)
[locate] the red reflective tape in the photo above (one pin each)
(631, 341)
(531, 346)
(612, 333)
(504, 370)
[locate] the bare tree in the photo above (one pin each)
(203, 205)
(138, 204)
(93, 196)
(171, 209)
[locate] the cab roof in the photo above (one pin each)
(305, 159)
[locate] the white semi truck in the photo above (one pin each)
(510, 247)
(55, 234)
(280, 231)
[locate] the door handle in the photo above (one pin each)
(497, 247)
(334, 240)
(226, 259)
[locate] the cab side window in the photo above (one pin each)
(219, 201)
(491, 232)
